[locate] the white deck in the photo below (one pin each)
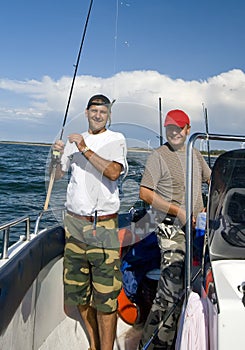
(41, 324)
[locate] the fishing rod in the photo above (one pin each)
(55, 156)
(160, 120)
(205, 111)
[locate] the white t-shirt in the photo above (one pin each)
(88, 190)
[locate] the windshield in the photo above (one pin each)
(226, 207)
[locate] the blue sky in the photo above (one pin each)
(187, 52)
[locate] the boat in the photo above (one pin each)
(220, 297)
(31, 286)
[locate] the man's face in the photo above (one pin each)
(97, 118)
(176, 136)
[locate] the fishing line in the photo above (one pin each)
(55, 156)
(115, 36)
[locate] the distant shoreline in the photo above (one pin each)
(25, 143)
(213, 153)
(136, 149)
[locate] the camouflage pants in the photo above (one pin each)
(91, 269)
(171, 240)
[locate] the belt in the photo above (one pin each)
(91, 218)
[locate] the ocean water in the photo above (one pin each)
(24, 181)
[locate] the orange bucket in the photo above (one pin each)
(209, 285)
(127, 310)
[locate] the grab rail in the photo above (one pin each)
(6, 233)
(27, 219)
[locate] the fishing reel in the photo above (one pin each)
(55, 156)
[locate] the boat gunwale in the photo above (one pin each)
(19, 272)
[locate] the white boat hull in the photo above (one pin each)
(40, 323)
(228, 275)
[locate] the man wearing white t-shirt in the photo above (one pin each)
(92, 278)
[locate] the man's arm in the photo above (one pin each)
(110, 169)
(159, 203)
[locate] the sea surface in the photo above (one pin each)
(24, 182)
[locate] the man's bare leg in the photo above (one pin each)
(107, 328)
(88, 315)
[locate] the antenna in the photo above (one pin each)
(205, 111)
(160, 121)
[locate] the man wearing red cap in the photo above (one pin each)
(163, 187)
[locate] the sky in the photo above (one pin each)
(188, 53)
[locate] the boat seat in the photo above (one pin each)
(234, 205)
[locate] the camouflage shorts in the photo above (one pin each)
(171, 240)
(91, 274)
(106, 232)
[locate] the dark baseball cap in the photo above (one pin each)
(98, 100)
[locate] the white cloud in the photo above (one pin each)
(136, 95)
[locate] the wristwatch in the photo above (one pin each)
(85, 149)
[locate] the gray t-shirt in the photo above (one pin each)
(165, 173)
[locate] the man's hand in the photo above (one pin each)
(78, 139)
(182, 216)
(58, 146)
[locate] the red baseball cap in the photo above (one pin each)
(177, 117)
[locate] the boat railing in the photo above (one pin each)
(26, 232)
(41, 213)
(6, 233)
(189, 197)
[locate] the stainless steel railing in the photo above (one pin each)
(6, 233)
(6, 228)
